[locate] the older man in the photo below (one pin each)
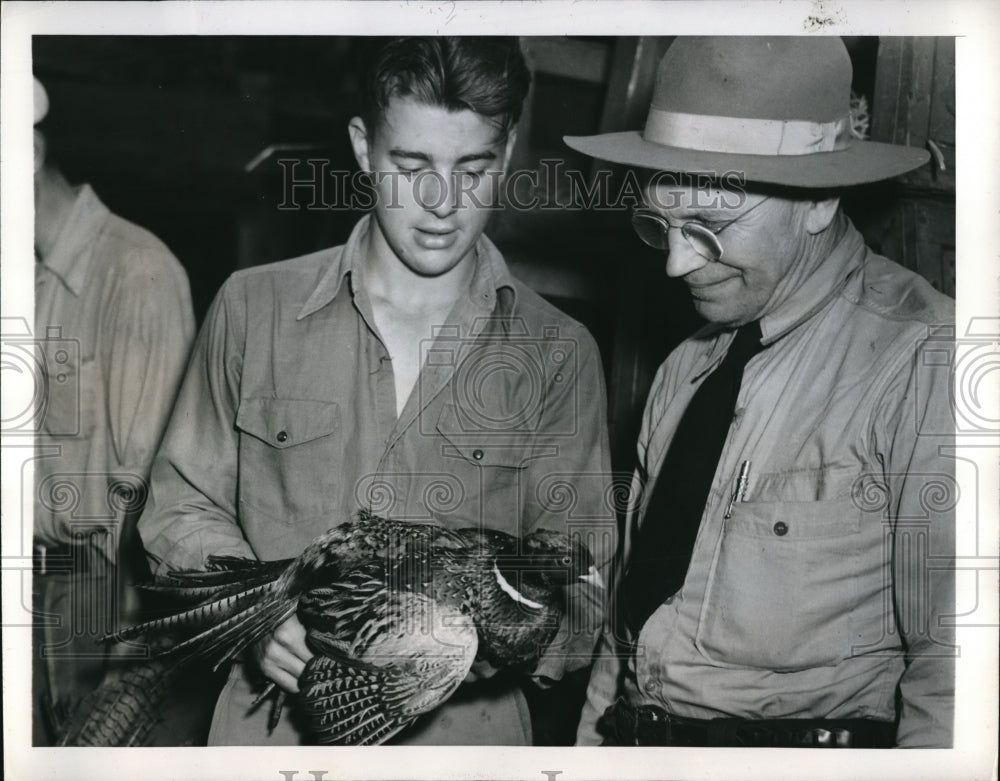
(785, 580)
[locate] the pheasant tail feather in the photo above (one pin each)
(224, 640)
(193, 619)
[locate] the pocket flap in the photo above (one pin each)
(795, 520)
(485, 448)
(69, 408)
(283, 423)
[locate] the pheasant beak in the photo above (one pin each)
(593, 577)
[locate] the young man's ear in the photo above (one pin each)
(820, 214)
(359, 142)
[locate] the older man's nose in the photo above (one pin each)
(681, 256)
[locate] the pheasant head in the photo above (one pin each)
(525, 595)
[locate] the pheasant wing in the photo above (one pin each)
(385, 656)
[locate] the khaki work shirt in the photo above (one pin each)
(286, 425)
(114, 326)
(827, 590)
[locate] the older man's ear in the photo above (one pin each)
(820, 214)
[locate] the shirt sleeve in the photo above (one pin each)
(572, 491)
(151, 328)
(609, 666)
(920, 477)
(191, 511)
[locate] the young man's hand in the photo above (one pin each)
(479, 671)
(283, 654)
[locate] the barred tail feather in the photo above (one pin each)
(223, 641)
(225, 576)
(194, 619)
(238, 638)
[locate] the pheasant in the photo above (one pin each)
(395, 613)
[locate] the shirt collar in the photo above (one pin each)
(491, 279)
(72, 254)
(826, 281)
(341, 264)
(492, 286)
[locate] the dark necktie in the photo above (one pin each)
(662, 546)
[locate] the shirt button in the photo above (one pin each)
(650, 687)
(781, 528)
(668, 601)
(477, 454)
(282, 436)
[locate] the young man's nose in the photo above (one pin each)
(682, 258)
(439, 194)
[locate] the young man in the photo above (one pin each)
(787, 575)
(405, 372)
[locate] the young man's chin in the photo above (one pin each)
(434, 263)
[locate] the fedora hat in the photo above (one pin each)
(774, 110)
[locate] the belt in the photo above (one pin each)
(650, 725)
(61, 559)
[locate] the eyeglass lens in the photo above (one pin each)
(702, 240)
(654, 231)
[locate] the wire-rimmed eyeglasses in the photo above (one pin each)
(654, 230)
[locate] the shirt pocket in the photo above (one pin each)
(780, 591)
(490, 469)
(290, 460)
(72, 395)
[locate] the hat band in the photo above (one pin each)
(745, 136)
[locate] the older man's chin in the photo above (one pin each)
(731, 311)
(720, 312)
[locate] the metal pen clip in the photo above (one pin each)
(739, 494)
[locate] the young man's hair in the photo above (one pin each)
(485, 75)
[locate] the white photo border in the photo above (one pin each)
(976, 26)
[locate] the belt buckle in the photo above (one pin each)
(838, 737)
(652, 713)
(822, 738)
(40, 560)
(652, 726)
